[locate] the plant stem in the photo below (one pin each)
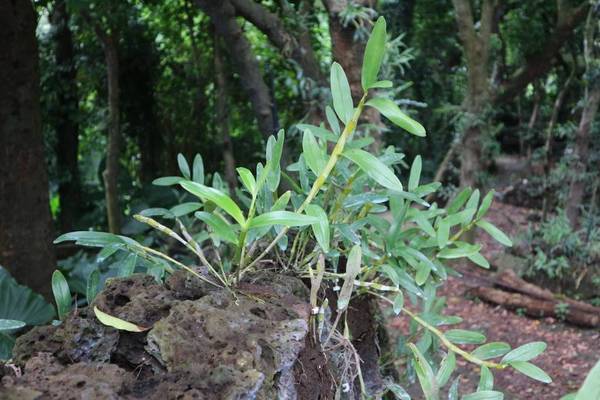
(448, 344)
(320, 181)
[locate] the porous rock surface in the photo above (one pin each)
(201, 344)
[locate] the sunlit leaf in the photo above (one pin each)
(286, 218)
(183, 166)
(374, 52)
(461, 336)
(425, 374)
(320, 228)
(531, 370)
(167, 181)
(216, 196)
(340, 91)
(353, 264)
(486, 380)
(494, 232)
(247, 179)
(313, 154)
(391, 111)
(446, 368)
(377, 170)
(484, 395)
(219, 226)
(10, 325)
(491, 350)
(526, 352)
(62, 294)
(117, 323)
(398, 303)
(590, 388)
(415, 174)
(198, 170)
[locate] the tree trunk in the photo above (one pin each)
(222, 117)
(222, 14)
(113, 150)
(349, 53)
(590, 107)
(581, 152)
(25, 223)
(480, 97)
(65, 112)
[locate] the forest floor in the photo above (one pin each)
(571, 351)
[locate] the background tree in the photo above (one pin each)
(25, 227)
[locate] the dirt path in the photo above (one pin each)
(571, 351)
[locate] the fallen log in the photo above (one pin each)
(537, 307)
(508, 279)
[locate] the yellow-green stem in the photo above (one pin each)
(335, 154)
(448, 344)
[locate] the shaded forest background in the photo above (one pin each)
(99, 98)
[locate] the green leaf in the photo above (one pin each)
(219, 226)
(127, 266)
(425, 374)
(91, 238)
(391, 111)
(491, 350)
(286, 218)
(382, 85)
(247, 179)
(10, 325)
(446, 368)
(590, 388)
(353, 264)
(415, 174)
(273, 165)
(398, 391)
(282, 201)
(486, 381)
(313, 154)
(20, 303)
(443, 233)
(459, 200)
(321, 228)
(217, 197)
(461, 336)
(398, 303)
(484, 395)
(185, 208)
(374, 52)
(340, 91)
(485, 204)
(480, 260)
(377, 170)
(167, 181)
(494, 232)
(526, 352)
(117, 323)
(91, 289)
(62, 294)
(453, 391)
(532, 371)
(198, 170)
(332, 119)
(183, 166)
(461, 250)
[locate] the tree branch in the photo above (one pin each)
(540, 63)
(296, 47)
(222, 14)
